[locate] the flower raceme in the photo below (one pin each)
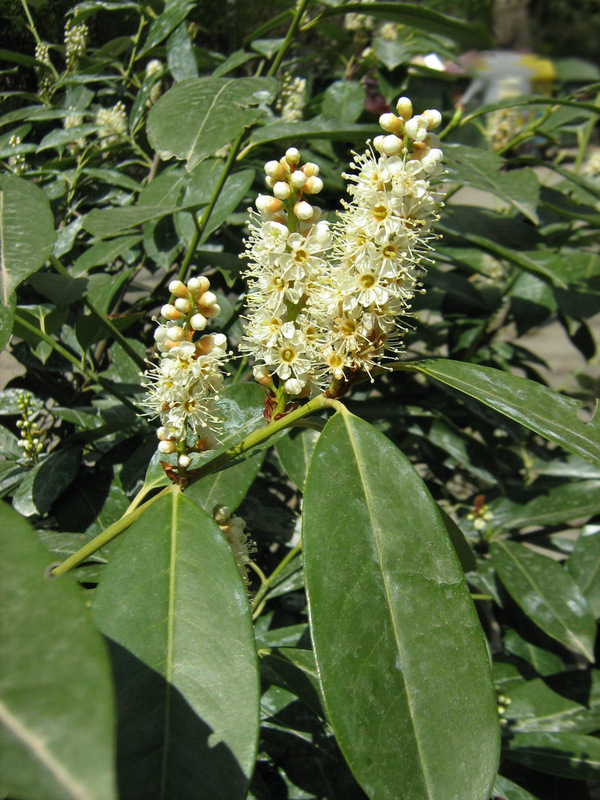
(182, 389)
(326, 302)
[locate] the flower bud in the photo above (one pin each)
(416, 128)
(433, 118)
(166, 447)
(303, 210)
(170, 312)
(178, 288)
(391, 145)
(183, 304)
(219, 340)
(294, 386)
(184, 461)
(274, 170)
(175, 334)
(298, 179)
(311, 169)
(261, 375)
(282, 190)
(404, 107)
(313, 185)
(292, 156)
(221, 514)
(392, 124)
(266, 204)
(198, 285)
(378, 143)
(198, 322)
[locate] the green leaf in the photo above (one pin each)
(26, 232)
(463, 549)
(547, 594)
(175, 12)
(394, 629)
(176, 613)
(480, 169)
(46, 481)
(344, 101)
(538, 408)
(198, 116)
(543, 661)
(227, 487)
(508, 790)
(7, 320)
(103, 253)
(295, 452)
(56, 701)
(568, 755)
(316, 128)
(571, 501)
(295, 670)
(181, 58)
(535, 707)
(104, 222)
(58, 138)
(584, 565)
(60, 289)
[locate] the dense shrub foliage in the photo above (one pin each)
(290, 510)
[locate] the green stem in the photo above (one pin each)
(254, 439)
(300, 9)
(584, 139)
(104, 321)
(105, 537)
(87, 373)
(136, 42)
(36, 36)
(260, 597)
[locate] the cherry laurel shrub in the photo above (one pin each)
(290, 509)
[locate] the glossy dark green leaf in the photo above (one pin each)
(176, 613)
(548, 413)
(316, 128)
(295, 452)
(463, 550)
(111, 221)
(543, 661)
(394, 629)
(569, 755)
(175, 12)
(295, 670)
(584, 565)
(535, 707)
(46, 481)
(481, 170)
(547, 594)
(198, 116)
(26, 232)
(56, 700)
(59, 138)
(571, 501)
(7, 319)
(344, 101)
(508, 790)
(103, 253)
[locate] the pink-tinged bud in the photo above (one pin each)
(166, 447)
(175, 334)
(303, 210)
(313, 185)
(311, 169)
(274, 170)
(198, 322)
(433, 118)
(183, 304)
(178, 288)
(198, 285)
(298, 179)
(292, 156)
(170, 312)
(404, 107)
(266, 204)
(392, 124)
(391, 145)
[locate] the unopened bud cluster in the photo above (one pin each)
(325, 302)
(183, 388)
(234, 530)
(76, 37)
(17, 163)
(113, 124)
(32, 438)
(502, 703)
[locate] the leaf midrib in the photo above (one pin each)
(426, 780)
(37, 746)
(204, 121)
